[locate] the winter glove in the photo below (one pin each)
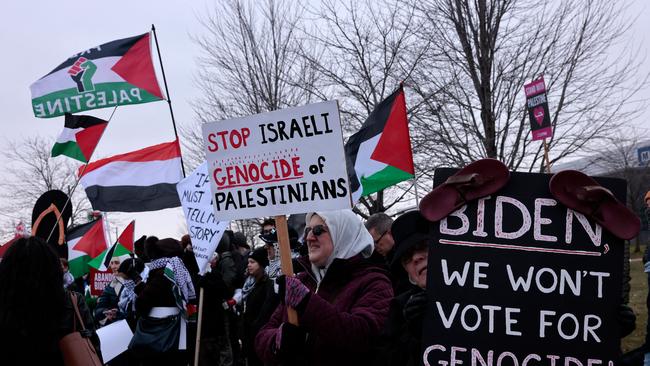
(414, 310)
(289, 339)
(292, 292)
(626, 319)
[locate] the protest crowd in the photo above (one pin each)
(489, 268)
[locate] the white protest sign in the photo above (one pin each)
(281, 162)
(205, 232)
(114, 339)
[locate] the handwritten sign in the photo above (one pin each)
(281, 162)
(99, 280)
(196, 199)
(517, 278)
(537, 104)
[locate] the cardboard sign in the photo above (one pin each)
(516, 278)
(277, 163)
(537, 104)
(98, 280)
(196, 199)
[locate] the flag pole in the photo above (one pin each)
(169, 99)
(76, 183)
(546, 159)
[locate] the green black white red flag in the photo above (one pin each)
(79, 137)
(379, 155)
(123, 246)
(84, 242)
(120, 72)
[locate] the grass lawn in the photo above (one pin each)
(638, 293)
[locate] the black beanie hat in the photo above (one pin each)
(260, 256)
(163, 248)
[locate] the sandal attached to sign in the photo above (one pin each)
(476, 180)
(581, 193)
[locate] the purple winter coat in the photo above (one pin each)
(342, 318)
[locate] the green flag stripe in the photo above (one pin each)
(98, 261)
(79, 266)
(70, 149)
(382, 179)
(104, 95)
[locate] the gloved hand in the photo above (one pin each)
(292, 292)
(289, 339)
(414, 310)
(229, 304)
(626, 319)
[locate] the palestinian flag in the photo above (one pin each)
(79, 137)
(379, 155)
(115, 73)
(123, 246)
(85, 242)
(137, 181)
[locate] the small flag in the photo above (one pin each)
(85, 242)
(79, 137)
(379, 155)
(138, 181)
(123, 246)
(116, 73)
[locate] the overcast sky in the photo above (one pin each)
(36, 36)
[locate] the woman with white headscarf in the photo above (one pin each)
(342, 299)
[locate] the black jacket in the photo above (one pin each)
(400, 344)
(260, 305)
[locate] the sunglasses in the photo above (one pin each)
(381, 236)
(316, 230)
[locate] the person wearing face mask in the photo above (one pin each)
(341, 299)
(402, 334)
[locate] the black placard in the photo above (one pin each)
(538, 113)
(480, 243)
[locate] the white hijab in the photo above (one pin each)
(348, 234)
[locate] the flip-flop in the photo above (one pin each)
(476, 180)
(581, 193)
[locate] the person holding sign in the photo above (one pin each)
(341, 300)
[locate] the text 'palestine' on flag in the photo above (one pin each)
(84, 243)
(120, 72)
(79, 137)
(380, 155)
(123, 246)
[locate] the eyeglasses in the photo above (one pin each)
(316, 230)
(268, 231)
(381, 236)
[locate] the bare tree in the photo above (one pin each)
(363, 50)
(250, 64)
(483, 52)
(31, 172)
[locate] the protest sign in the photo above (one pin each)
(537, 104)
(643, 155)
(516, 278)
(98, 280)
(281, 162)
(114, 339)
(196, 199)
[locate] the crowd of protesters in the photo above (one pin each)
(359, 296)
